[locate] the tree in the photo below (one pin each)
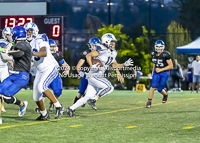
(177, 36)
(189, 15)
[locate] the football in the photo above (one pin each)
(95, 61)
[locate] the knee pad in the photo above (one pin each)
(57, 92)
(41, 88)
(9, 99)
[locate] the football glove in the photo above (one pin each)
(129, 62)
(2, 50)
(81, 74)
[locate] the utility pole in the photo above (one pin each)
(109, 16)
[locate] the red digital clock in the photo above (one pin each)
(51, 25)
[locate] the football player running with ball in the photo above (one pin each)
(106, 53)
(161, 71)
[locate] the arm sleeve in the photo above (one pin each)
(60, 58)
(168, 56)
(83, 55)
(43, 44)
(100, 50)
(192, 65)
(17, 54)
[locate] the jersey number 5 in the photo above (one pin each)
(109, 61)
(160, 63)
(36, 58)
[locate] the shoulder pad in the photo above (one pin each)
(85, 53)
(3, 43)
(152, 53)
(42, 37)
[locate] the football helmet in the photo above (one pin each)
(19, 33)
(107, 40)
(53, 46)
(7, 31)
(34, 28)
(93, 41)
(159, 46)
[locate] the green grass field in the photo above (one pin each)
(163, 123)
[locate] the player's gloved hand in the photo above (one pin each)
(2, 50)
(129, 62)
(95, 67)
(81, 74)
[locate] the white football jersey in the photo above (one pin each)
(7, 45)
(42, 63)
(106, 56)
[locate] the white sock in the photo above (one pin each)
(43, 112)
(79, 103)
(57, 104)
(95, 97)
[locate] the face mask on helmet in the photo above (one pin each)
(7, 34)
(159, 46)
(53, 48)
(108, 39)
(32, 30)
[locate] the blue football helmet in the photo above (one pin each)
(53, 46)
(19, 33)
(159, 46)
(93, 41)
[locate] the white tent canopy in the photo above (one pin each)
(192, 48)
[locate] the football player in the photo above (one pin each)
(47, 71)
(6, 43)
(20, 74)
(56, 84)
(161, 71)
(83, 63)
(106, 53)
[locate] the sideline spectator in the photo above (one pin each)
(196, 73)
(184, 71)
(177, 75)
(189, 72)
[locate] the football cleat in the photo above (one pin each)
(59, 112)
(91, 102)
(148, 105)
(22, 109)
(164, 98)
(37, 110)
(70, 112)
(43, 118)
(83, 105)
(51, 106)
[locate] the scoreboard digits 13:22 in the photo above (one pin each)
(51, 25)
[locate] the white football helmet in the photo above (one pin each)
(107, 39)
(34, 28)
(7, 31)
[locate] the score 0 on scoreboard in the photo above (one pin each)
(52, 26)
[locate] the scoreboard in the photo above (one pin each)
(53, 26)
